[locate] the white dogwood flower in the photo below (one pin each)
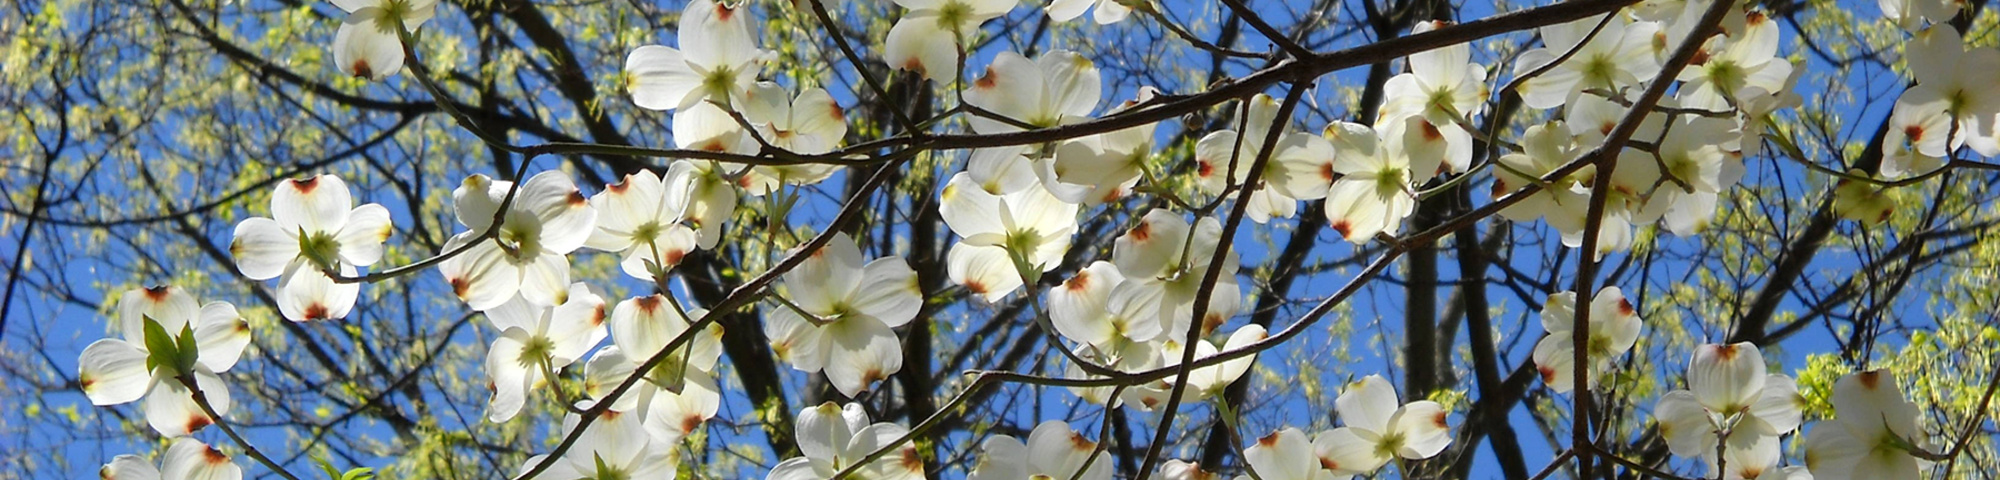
(314, 227)
(114, 371)
(536, 341)
(1030, 224)
(641, 219)
(1614, 327)
(833, 437)
(1444, 88)
(1872, 434)
(1378, 172)
(1728, 393)
(1379, 429)
(839, 315)
(1053, 451)
(369, 44)
(614, 447)
(1224, 158)
(928, 38)
(529, 255)
(717, 60)
(185, 459)
(1287, 455)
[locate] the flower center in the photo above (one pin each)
(320, 248)
(536, 351)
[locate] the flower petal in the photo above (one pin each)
(262, 248)
(112, 372)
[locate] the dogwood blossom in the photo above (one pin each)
(1030, 224)
(1202, 382)
(1176, 469)
(1957, 81)
(369, 43)
(677, 394)
(717, 60)
(1108, 11)
(1871, 435)
(928, 38)
(833, 437)
(1378, 172)
(839, 315)
(1729, 398)
(1910, 14)
(1561, 202)
(809, 124)
(1163, 261)
(1110, 163)
(1379, 430)
(185, 459)
(1603, 61)
(1614, 327)
(614, 447)
(314, 227)
(1056, 88)
(114, 371)
(1286, 455)
(528, 256)
(1444, 88)
(641, 219)
(535, 341)
(1053, 451)
(1224, 157)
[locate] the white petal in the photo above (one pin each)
(801, 344)
(112, 372)
(659, 78)
(1726, 378)
(1424, 428)
(172, 307)
(576, 325)
(189, 459)
(508, 377)
(1073, 82)
(543, 281)
(307, 294)
(1078, 309)
(715, 34)
(1685, 424)
(888, 291)
(262, 248)
(1349, 451)
(171, 409)
(363, 48)
(1367, 404)
(220, 336)
(862, 353)
(361, 239)
(1282, 455)
(482, 276)
(823, 431)
(801, 468)
(984, 270)
(128, 467)
(916, 44)
(565, 215)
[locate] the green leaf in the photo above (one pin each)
(359, 473)
(324, 466)
(160, 347)
(188, 351)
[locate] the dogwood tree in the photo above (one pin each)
(812, 239)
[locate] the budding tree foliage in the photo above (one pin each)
(990, 240)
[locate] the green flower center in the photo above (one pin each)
(319, 248)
